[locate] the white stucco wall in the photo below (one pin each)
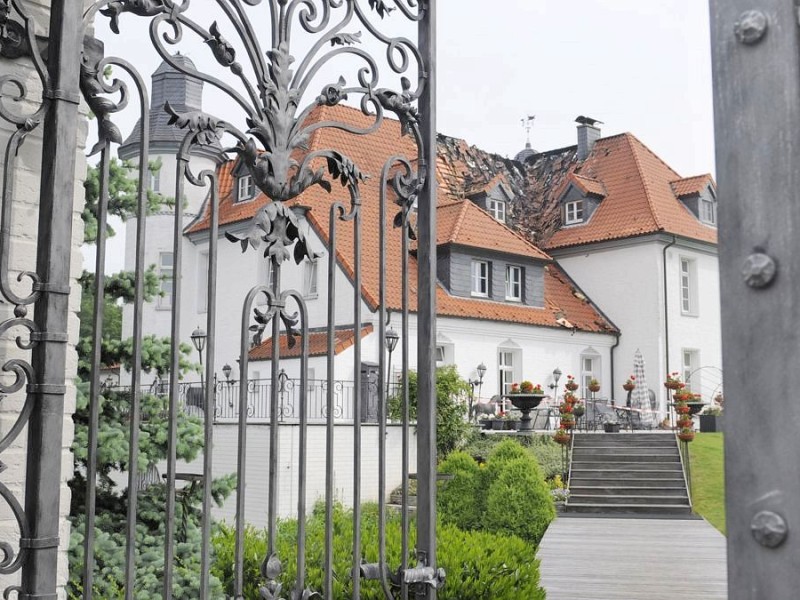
(626, 279)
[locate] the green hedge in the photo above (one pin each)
(479, 565)
(506, 494)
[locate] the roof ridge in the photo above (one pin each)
(643, 180)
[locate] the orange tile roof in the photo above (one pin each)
(317, 344)
(370, 152)
(588, 185)
(691, 185)
(640, 198)
(464, 223)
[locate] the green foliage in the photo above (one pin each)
(519, 501)
(456, 498)
(451, 407)
(479, 565)
(541, 447)
(122, 198)
(708, 478)
(506, 494)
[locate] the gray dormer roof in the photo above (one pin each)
(184, 93)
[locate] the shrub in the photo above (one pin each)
(548, 454)
(479, 565)
(457, 498)
(451, 407)
(519, 501)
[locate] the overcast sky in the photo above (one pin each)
(641, 66)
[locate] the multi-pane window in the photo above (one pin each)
(505, 370)
(247, 188)
(496, 208)
(690, 360)
(688, 285)
(480, 278)
(708, 212)
(589, 370)
(573, 212)
(165, 274)
(513, 283)
(439, 355)
(310, 279)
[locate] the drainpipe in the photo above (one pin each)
(614, 347)
(666, 306)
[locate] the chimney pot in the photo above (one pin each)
(588, 134)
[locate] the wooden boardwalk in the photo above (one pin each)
(633, 559)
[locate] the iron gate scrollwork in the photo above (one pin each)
(271, 90)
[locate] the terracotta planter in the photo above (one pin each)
(685, 423)
(562, 439)
(686, 437)
(594, 388)
(676, 385)
(628, 386)
(682, 408)
(567, 424)
(571, 386)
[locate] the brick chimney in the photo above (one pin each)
(588, 134)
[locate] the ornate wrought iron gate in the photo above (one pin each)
(275, 102)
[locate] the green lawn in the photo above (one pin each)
(708, 478)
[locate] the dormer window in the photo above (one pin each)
(708, 212)
(513, 283)
(496, 208)
(480, 278)
(247, 189)
(573, 212)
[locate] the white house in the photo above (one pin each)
(641, 241)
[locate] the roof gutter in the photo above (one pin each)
(614, 347)
(666, 306)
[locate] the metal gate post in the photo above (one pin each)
(426, 305)
(756, 60)
(43, 475)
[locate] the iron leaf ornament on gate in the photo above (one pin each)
(272, 90)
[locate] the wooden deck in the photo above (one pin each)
(633, 559)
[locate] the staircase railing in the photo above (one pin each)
(683, 450)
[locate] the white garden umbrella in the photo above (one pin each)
(640, 396)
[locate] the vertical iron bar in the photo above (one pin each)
(174, 373)
(272, 494)
(210, 391)
(329, 428)
(54, 252)
(357, 400)
(756, 72)
(302, 453)
(426, 304)
(136, 359)
(95, 386)
(406, 467)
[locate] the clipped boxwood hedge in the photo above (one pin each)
(479, 565)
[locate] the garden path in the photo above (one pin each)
(633, 559)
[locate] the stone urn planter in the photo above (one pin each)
(525, 403)
(695, 407)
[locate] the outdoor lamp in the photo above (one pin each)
(199, 339)
(226, 370)
(391, 340)
(556, 377)
(481, 371)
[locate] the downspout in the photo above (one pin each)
(666, 307)
(614, 347)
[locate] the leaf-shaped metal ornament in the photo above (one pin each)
(346, 39)
(204, 125)
(141, 8)
(380, 7)
(223, 51)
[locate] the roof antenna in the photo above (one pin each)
(527, 124)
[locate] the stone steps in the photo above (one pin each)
(633, 474)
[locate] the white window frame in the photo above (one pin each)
(202, 282)
(155, 181)
(688, 286)
(310, 288)
(480, 278)
(166, 276)
(246, 188)
(573, 212)
(507, 359)
(690, 365)
(496, 208)
(708, 212)
(590, 369)
(514, 278)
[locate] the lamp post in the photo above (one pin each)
(390, 340)
(199, 341)
(226, 370)
(481, 369)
